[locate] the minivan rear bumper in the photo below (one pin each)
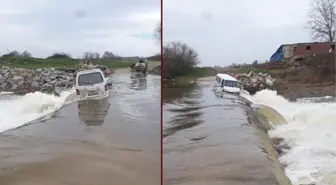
(106, 94)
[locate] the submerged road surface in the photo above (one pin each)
(105, 142)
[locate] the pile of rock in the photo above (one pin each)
(88, 65)
(24, 81)
(253, 82)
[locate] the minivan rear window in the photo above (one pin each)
(90, 79)
(230, 83)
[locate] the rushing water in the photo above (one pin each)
(310, 135)
(208, 140)
(108, 141)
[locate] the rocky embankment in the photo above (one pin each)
(311, 76)
(48, 80)
(254, 82)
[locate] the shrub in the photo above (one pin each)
(178, 58)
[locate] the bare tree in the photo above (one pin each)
(254, 63)
(26, 54)
(90, 55)
(322, 20)
(96, 55)
(12, 54)
(108, 55)
(86, 55)
(178, 59)
(59, 55)
(158, 32)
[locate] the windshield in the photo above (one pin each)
(229, 83)
(90, 79)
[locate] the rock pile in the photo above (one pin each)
(88, 65)
(23, 81)
(253, 82)
(47, 80)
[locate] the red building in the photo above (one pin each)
(306, 49)
(288, 51)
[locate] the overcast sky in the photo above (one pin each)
(75, 26)
(224, 32)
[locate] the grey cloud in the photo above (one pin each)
(236, 31)
(71, 22)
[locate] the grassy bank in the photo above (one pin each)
(189, 77)
(199, 72)
(34, 63)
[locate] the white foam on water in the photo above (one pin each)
(310, 133)
(5, 93)
(16, 111)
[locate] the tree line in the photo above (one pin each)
(86, 55)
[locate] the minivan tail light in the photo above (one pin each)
(77, 92)
(106, 87)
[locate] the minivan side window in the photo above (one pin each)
(90, 79)
(230, 83)
(218, 79)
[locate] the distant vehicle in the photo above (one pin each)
(226, 83)
(91, 84)
(140, 68)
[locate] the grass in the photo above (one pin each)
(189, 78)
(199, 72)
(34, 63)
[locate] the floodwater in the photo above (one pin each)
(308, 136)
(213, 139)
(96, 142)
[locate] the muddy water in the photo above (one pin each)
(110, 141)
(211, 139)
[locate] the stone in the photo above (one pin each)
(48, 88)
(53, 82)
(62, 83)
(35, 85)
(107, 72)
(269, 82)
(250, 74)
(14, 87)
(261, 86)
(17, 78)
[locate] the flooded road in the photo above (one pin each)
(110, 141)
(208, 139)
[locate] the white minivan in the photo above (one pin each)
(226, 83)
(91, 84)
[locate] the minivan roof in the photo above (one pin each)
(89, 71)
(226, 77)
